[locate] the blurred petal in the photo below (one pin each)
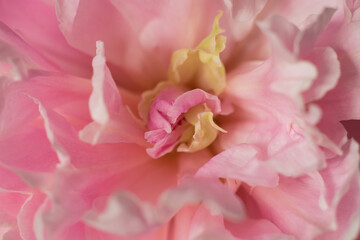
(125, 215)
(36, 23)
(321, 191)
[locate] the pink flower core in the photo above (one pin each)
(178, 117)
(179, 112)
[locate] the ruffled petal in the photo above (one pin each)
(322, 193)
(132, 217)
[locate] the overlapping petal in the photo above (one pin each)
(74, 160)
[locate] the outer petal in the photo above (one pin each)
(328, 66)
(280, 84)
(348, 215)
(10, 181)
(57, 91)
(10, 205)
(204, 225)
(133, 217)
(26, 215)
(26, 154)
(299, 11)
(321, 191)
(207, 226)
(345, 98)
(241, 163)
(71, 151)
(82, 177)
(36, 23)
(10, 39)
(126, 57)
(243, 15)
(257, 229)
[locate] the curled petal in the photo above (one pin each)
(189, 99)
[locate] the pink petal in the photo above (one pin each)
(345, 98)
(190, 99)
(347, 215)
(321, 191)
(281, 34)
(243, 15)
(12, 235)
(328, 68)
(112, 121)
(20, 151)
(299, 11)
(296, 157)
(9, 36)
(204, 225)
(241, 163)
(69, 95)
(163, 142)
(10, 181)
(161, 106)
(257, 229)
(132, 217)
(26, 215)
(306, 40)
(75, 188)
(126, 57)
(35, 21)
(71, 151)
(10, 205)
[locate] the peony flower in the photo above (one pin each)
(195, 119)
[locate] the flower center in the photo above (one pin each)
(179, 112)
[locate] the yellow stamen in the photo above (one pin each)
(204, 130)
(199, 67)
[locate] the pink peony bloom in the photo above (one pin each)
(224, 119)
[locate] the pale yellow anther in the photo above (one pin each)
(204, 129)
(201, 67)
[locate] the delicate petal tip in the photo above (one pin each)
(112, 121)
(62, 154)
(100, 50)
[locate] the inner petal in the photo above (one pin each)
(178, 117)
